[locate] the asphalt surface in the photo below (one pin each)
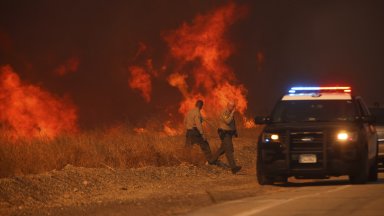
(320, 197)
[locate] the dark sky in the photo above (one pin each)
(306, 42)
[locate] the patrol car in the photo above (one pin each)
(316, 133)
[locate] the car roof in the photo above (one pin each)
(317, 96)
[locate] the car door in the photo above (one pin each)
(369, 128)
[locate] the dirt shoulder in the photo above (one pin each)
(143, 191)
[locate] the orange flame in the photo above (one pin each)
(169, 131)
(29, 111)
(249, 123)
(141, 81)
(204, 43)
(200, 50)
(139, 130)
(178, 80)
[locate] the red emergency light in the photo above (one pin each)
(333, 89)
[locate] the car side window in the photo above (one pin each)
(360, 109)
(363, 108)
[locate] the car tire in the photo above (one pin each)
(265, 180)
(361, 174)
(373, 173)
(374, 170)
(262, 179)
(282, 179)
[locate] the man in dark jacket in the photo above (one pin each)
(227, 129)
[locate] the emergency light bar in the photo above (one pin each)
(296, 90)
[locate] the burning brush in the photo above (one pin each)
(203, 44)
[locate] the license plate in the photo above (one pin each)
(307, 158)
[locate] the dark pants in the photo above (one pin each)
(226, 147)
(193, 136)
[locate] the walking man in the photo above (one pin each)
(195, 134)
(227, 129)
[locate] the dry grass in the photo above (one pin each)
(117, 148)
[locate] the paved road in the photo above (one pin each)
(330, 197)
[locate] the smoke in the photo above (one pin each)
(70, 66)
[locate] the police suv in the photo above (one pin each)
(315, 133)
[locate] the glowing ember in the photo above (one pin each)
(141, 81)
(70, 66)
(29, 111)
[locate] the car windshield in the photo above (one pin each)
(314, 110)
(379, 114)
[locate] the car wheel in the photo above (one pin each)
(373, 171)
(265, 180)
(361, 174)
(262, 179)
(284, 179)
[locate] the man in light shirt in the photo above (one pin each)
(195, 133)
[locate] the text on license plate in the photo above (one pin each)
(307, 158)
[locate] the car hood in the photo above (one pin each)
(310, 126)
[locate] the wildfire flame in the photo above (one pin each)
(29, 111)
(141, 81)
(169, 130)
(178, 80)
(139, 130)
(204, 44)
(200, 51)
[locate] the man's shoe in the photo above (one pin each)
(218, 163)
(222, 164)
(236, 169)
(212, 162)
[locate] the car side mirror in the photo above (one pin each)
(367, 119)
(259, 120)
(371, 119)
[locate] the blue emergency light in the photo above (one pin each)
(304, 90)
